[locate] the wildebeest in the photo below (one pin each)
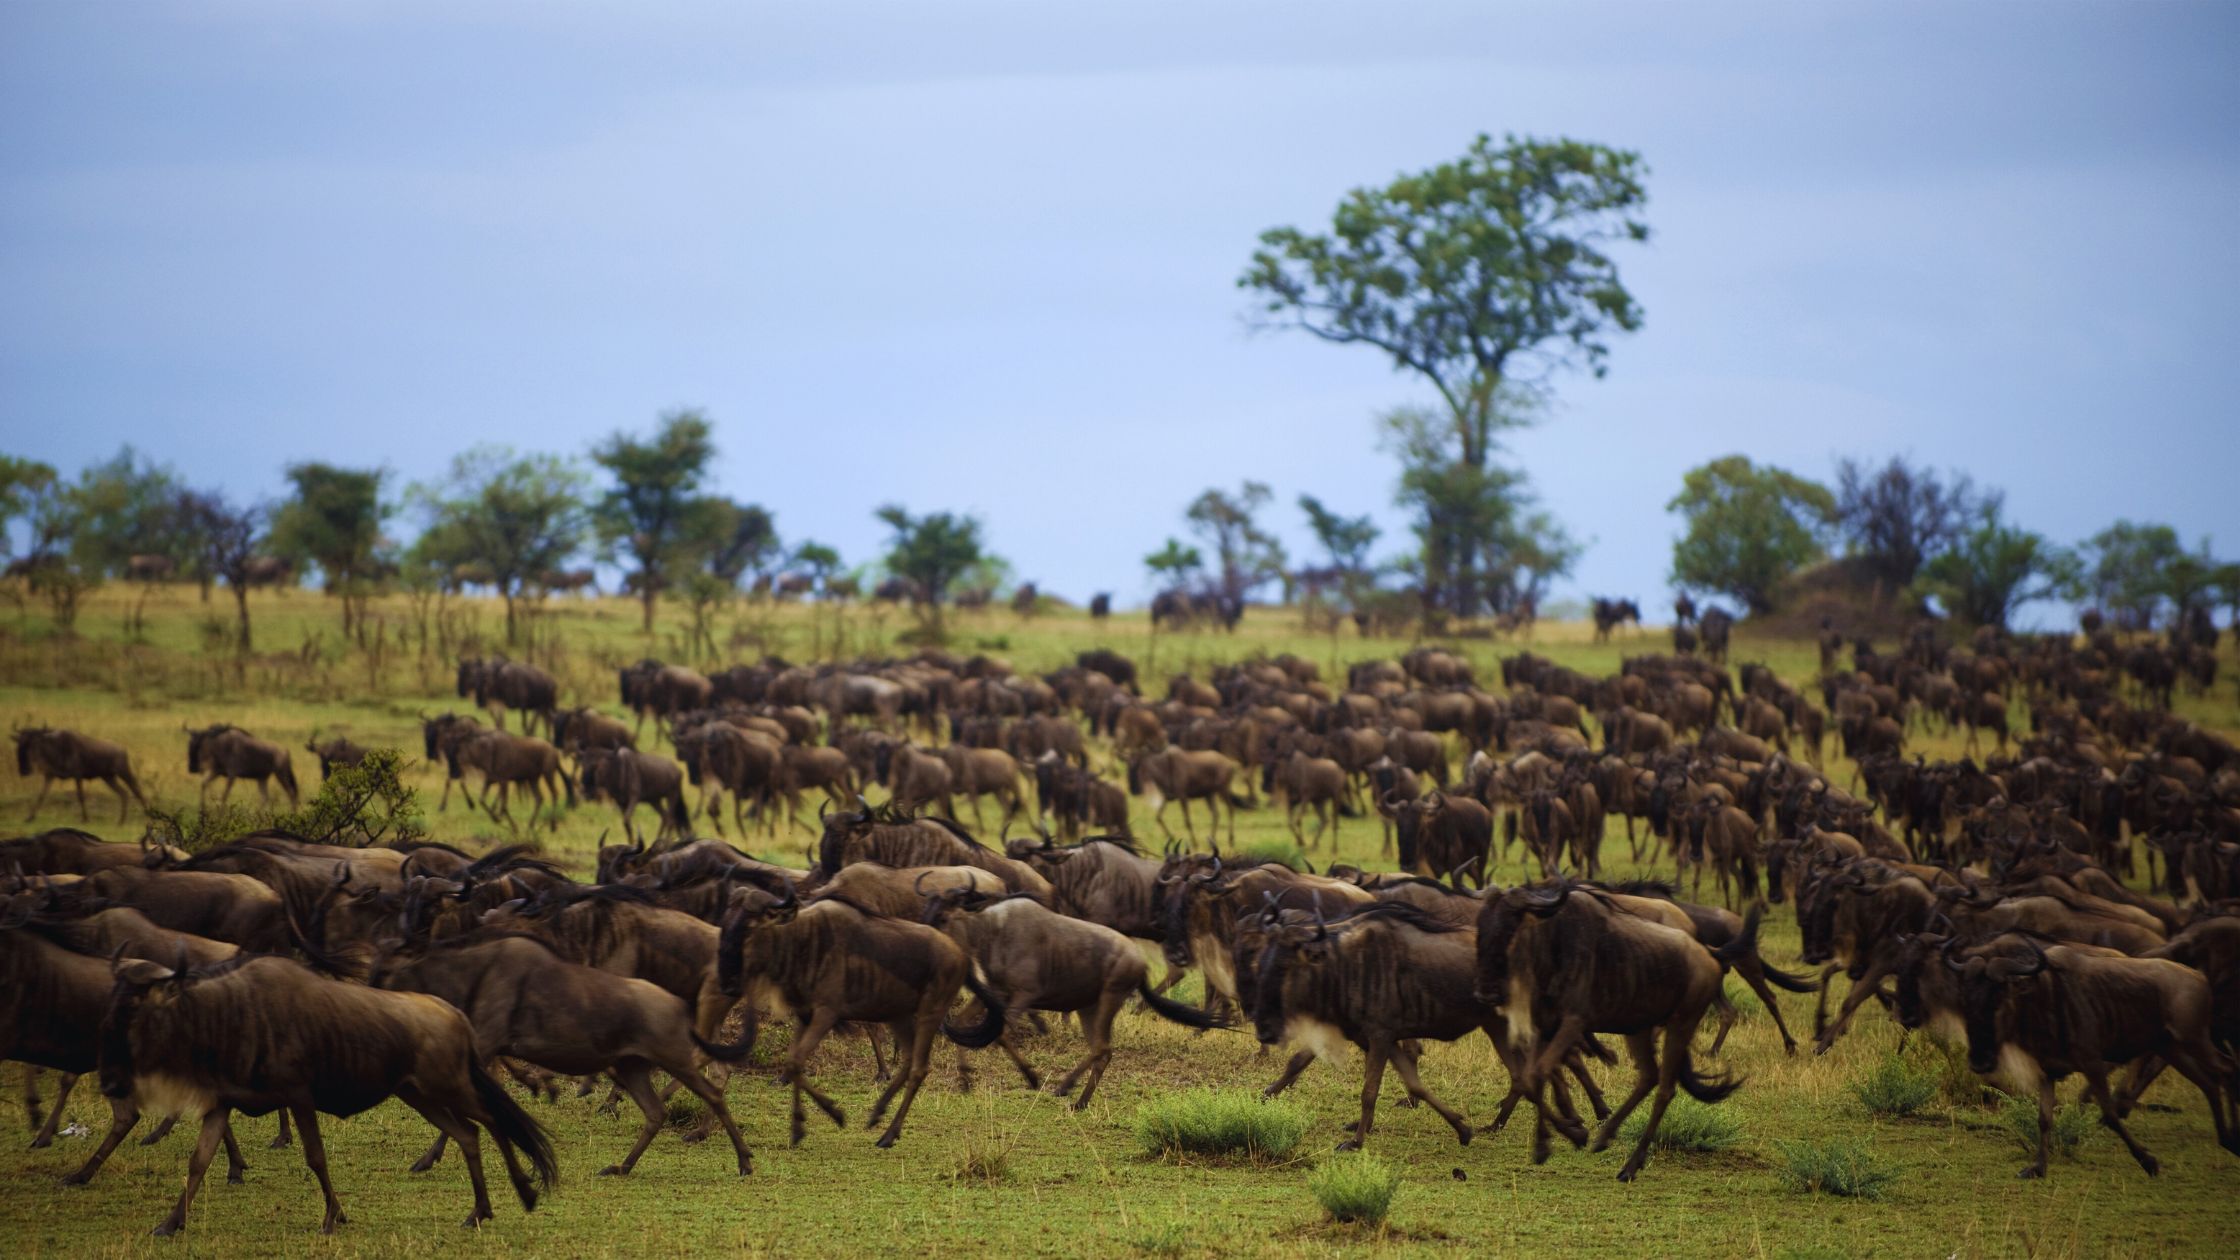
(505, 759)
(339, 751)
(1562, 962)
(631, 778)
(225, 751)
(661, 690)
(830, 961)
(1106, 880)
(257, 1034)
(1100, 605)
(882, 836)
(1718, 625)
(586, 727)
(1175, 774)
(2060, 1009)
(226, 907)
(59, 754)
(1036, 959)
(978, 772)
(498, 684)
(1443, 834)
(526, 1002)
(69, 851)
(1316, 783)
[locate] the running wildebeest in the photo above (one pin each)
(60, 754)
(225, 751)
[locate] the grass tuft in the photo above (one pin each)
(1167, 1239)
(684, 1110)
(1688, 1126)
(1845, 1169)
(1355, 1187)
(1216, 1122)
(2073, 1125)
(1896, 1088)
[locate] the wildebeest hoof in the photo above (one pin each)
(693, 1138)
(474, 1221)
(885, 1142)
(1350, 1144)
(279, 1143)
(1464, 1134)
(614, 1170)
(41, 1142)
(1600, 1144)
(421, 1165)
(168, 1228)
(233, 1177)
(2150, 1165)
(746, 1167)
(2031, 1172)
(1628, 1172)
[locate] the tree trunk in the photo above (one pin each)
(646, 595)
(241, 607)
(511, 637)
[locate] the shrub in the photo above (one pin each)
(2073, 1123)
(983, 1162)
(1168, 1239)
(684, 1111)
(1845, 1169)
(1273, 851)
(1895, 1088)
(1688, 1125)
(1211, 1122)
(1355, 1187)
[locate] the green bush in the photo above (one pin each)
(1213, 1122)
(1896, 1088)
(1273, 851)
(1355, 1187)
(1845, 1169)
(2073, 1124)
(1687, 1126)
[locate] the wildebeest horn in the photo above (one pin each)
(1321, 925)
(918, 885)
(793, 895)
(341, 875)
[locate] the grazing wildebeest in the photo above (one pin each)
(225, 751)
(1443, 834)
(257, 1034)
(498, 684)
(1037, 959)
(631, 778)
(662, 690)
(527, 1002)
(831, 961)
(1563, 962)
(59, 754)
(1111, 664)
(1173, 774)
(339, 751)
(1075, 797)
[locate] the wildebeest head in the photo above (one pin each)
(1291, 936)
(1984, 985)
(470, 676)
(28, 739)
(751, 908)
(198, 745)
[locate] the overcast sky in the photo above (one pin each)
(982, 256)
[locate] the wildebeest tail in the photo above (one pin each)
(509, 1123)
(679, 814)
(1706, 1089)
(1176, 1012)
(1745, 942)
(1240, 802)
(286, 773)
(733, 1052)
(1789, 980)
(990, 1027)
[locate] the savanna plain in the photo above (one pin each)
(1000, 1169)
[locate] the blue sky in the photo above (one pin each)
(981, 256)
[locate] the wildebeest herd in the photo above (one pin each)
(1987, 903)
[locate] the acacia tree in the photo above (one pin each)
(647, 514)
(1172, 565)
(516, 517)
(1346, 541)
(1994, 568)
(334, 521)
(234, 534)
(32, 492)
(1747, 528)
(1895, 517)
(1479, 274)
(932, 551)
(1245, 556)
(2125, 570)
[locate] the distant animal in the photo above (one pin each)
(498, 684)
(339, 751)
(150, 568)
(60, 754)
(1100, 605)
(225, 751)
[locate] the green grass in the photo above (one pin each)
(1845, 1169)
(2074, 1124)
(1896, 1088)
(1687, 1126)
(1209, 1122)
(1072, 1184)
(1355, 1187)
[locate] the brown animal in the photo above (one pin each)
(59, 754)
(499, 684)
(1176, 774)
(339, 751)
(260, 1034)
(1316, 783)
(631, 778)
(227, 752)
(504, 760)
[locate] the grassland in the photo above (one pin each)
(1001, 1170)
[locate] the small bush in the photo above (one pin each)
(1212, 1122)
(1958, 1082)
(1896, 1088)
(1845, 1169)
(983, 1163)
(1687, 1126)
(2073, 1124)
(1355, 1187)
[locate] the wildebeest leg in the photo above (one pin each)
(80, 784)
(122, 1116)
(921, 1057)
(54, 1118)
(280, 1139)
(2096, 1085)
(1727, 1017)
(796, 1072)
(1406, 1064)
(124, 802)
(434, 1153)
(1644, 1048)
(712, 1098)
(1866, 986)
(315, 1158)
(459, 1129)
(213, 1129)
(1372, 1079)
(45, 781)
(1188, 828)
(1098, 1026)
(637, 1081)
(2200, 1064)
(1676, 1038)
(2045, 1127)
(1753, 973)
(162, 1131)
(1820, 1007)
(1299, 1063)
(1010, 1046)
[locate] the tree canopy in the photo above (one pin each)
(1897, 516)
(648, 512)
(932, 551)
(1747, 528)
(1994, 568)
(515, 517)
(1245, 556)
(334, 521)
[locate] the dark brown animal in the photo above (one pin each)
(227, 752)
(59, 754)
